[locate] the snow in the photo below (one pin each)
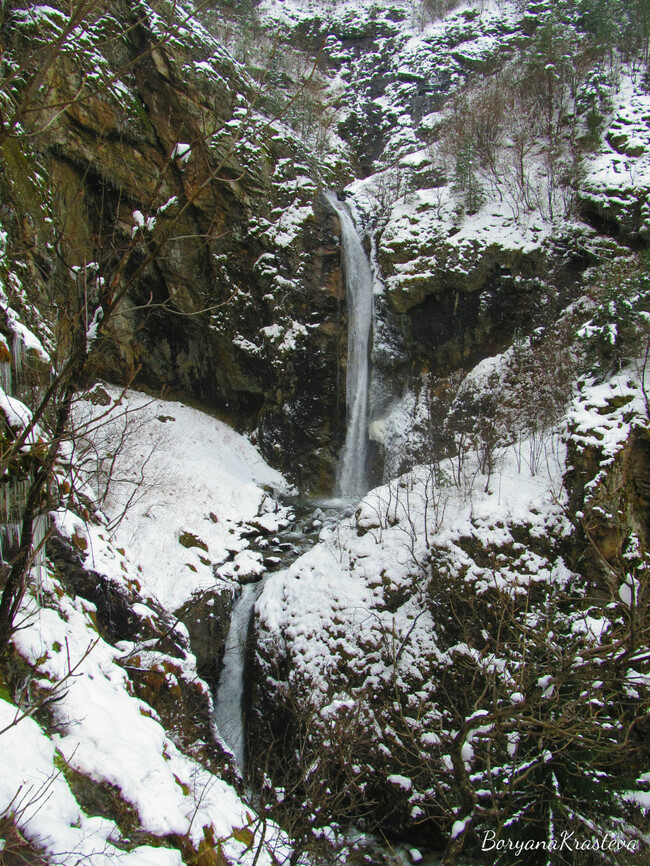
(361, 593)
(331, 603)
(618, 176)
(29, 340)
(272, 332)
(113, 738)
(459, 827)
(293, 333)
(401, 781)
(432, 215)
(181, 472)
(93, 328)
(353, 615)
(289, 225)
(17, 414)
(34, 789)
(100, 729)
(603, 415)
(182, 152)
(467, 752)
(246, 345)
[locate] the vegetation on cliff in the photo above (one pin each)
(460, 664)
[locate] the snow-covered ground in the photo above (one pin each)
(113, 738)
(358, 612)
(376, 627)
(334, 600)
(203, 479)
(617, 179)
(185, 490)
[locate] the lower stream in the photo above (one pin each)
(307, 518)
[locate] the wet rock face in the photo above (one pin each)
(451, 297)
(453, 328)
(232, 277)
(639, 479)
(303, 415)
(452, 324)
(207, 619)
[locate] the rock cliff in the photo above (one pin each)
(465, 650)
(163, 143)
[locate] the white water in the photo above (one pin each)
(291, 542)
(351, 473)
(229, 710)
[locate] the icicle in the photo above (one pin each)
(5, 366)
(40, 558)
(5, 503)
(9, 539)
(15, 491)
(5, 377)
(13, 499)
(18, 356)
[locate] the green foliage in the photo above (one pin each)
(188, 539)
(5, 694)
(622, 24)
(602, 19)
(593, 102)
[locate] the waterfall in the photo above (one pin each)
(291, 542)
(351, 472)
(5, 367)
(229, 710)
(41, 526)
(17, 357)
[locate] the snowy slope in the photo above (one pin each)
(450, 596)
(180, 475)
(103, 774)
(113, 738)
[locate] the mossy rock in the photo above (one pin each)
(614, 402)
(98, 798)
(188, 539)
(98, 396)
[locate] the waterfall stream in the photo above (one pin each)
(279, 551)
(351, 474)
(228, 712)
(350, 480)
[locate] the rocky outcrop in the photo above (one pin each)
(206, 617)
(456, 303)
(161, 671)
(612, 497)
(615, 194)
(229, 259)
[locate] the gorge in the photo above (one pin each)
(325, 514)
(349, 486)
